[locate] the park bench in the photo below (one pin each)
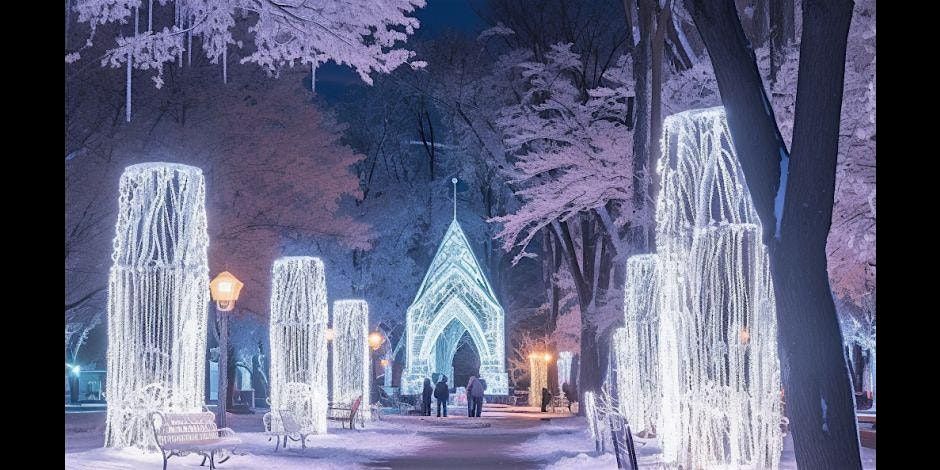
(180, 434)
(559, 401)
(288, 427)
(343, 413)
(866, 435)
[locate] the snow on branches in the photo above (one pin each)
(571, 146)
(362, 34)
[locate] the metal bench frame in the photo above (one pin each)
(167, 450)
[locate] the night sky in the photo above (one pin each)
(439, 16)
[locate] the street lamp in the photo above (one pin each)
(375, 340)
(224, 289)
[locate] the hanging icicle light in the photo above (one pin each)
(299, 320)
(636, 346)
(564, 367)
(351, 353)
(157, 300)
(717, 325)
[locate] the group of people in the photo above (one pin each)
(441, 392)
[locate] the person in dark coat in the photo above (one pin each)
(546, 399)
(569, 395)
(470, 383)
(426, 397)
(442, 393)
(475, 396)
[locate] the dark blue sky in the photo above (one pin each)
(437, 17)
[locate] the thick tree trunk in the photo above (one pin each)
(818, 387)
(663, 20)
(641, 70)
(781, 33)
(589, 377)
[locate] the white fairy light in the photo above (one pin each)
(351, 353)
(455, 297)
(564, 367)
(538, 378)
(637, 345)
(299, 320)
(720, 400)
(158, 294)
(590, 412)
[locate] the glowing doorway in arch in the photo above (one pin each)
(454, 298)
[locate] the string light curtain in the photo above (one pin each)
(718, 331)
(158, 294)
(636, 346)
(538, 378)
(351, 353)
(299, 319)
(564, 367)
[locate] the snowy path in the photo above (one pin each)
(517, 439)
(514, 439)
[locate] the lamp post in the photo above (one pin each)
(224, 289)
(375, 342)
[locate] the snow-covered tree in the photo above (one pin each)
(274, 167)
(572, 151)
(363, 34)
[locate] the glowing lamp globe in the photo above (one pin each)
(375, 340)
(225, 289)
(548, 357)
(330, 334)
(384, 362)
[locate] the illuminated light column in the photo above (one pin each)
(636, 345)
(564, 367)
(351, 353)
(158, 294)
(717, 331)
(299, 320)
(538, 376)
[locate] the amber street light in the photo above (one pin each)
(224, 289)
(375, 340)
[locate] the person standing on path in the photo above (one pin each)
(475, 391)
(426, 397)
(470, 384)
(442, 393)
(546, 399)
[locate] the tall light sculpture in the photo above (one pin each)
(564, 367)
(299, 320)
(351, 353)
(636, 345)
(720, 388)
(157, 300)
(538, 376)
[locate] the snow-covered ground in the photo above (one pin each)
(519, 437)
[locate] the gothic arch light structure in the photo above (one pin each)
(455, 297)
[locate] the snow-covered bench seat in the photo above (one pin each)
(185, 433)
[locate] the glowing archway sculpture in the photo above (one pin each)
(299, 319)
(454, 298)
(158, 296)
(717, 324)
